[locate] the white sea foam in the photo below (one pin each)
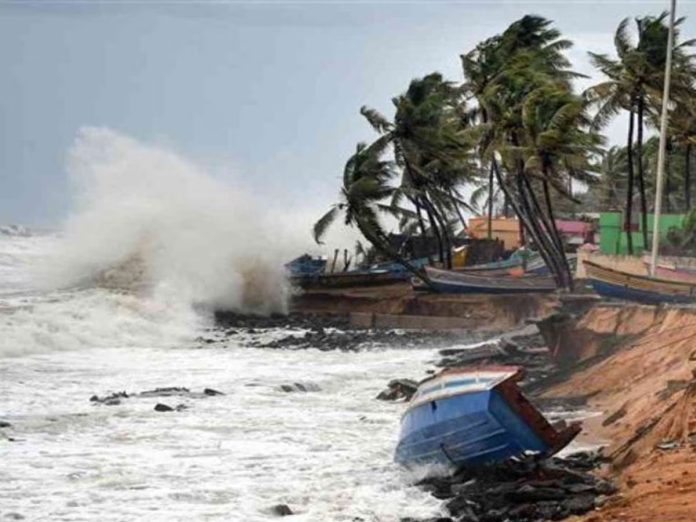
(147, 210)
(327, 454)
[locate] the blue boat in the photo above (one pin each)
(471, 417)
(306, 265)
(617, 284)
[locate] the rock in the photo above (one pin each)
(165, 392)
(14, 516)
(299, 387)
(580, 504)
(211, 392)
(163, 407)
(398, 389)
(281, 510)
(109, 400)
(5, 424)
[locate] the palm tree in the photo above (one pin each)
(634, 83)
(683, 133)
(557, 147)
(533, 63)
(432, 152)
(366, 178)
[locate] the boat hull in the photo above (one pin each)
(467, 429)
(616, 284)
(451, 282)
(473, 416)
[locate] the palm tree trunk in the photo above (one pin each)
(641, 179)
(629, 189)
(546, 229)
(521, 216)
(456, 207)
(541, 238)
(444, 233)
(557, 235)
(490, 203)
(421, 224)
(434, 227)
(687, 178)
(382, 245)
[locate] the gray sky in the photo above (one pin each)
(267, 92)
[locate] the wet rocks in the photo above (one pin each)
(299, 387)
(165, 407)
(524, 490)
(398, 389)
(281, 510)
(117, 398)
(112, 399)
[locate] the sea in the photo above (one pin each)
(326, 453)
(117, 298)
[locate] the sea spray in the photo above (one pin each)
(147, 217)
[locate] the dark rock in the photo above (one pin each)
(580, 504)
(299, 387)
(211, 391)
(165, 392)
(163, 407)
(399, 389)
(109, 400)
(5, 424)
(281, 510)
(14, 516)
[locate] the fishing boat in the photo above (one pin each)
(617, 284)
(665, 269)
(455, 282)
(465, 416)
(349, 279)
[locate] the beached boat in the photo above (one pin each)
(349, 279)
(617, 284)
(465, 416)
(457, 282)
(666, 269)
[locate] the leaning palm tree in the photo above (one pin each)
(534, 60)
(432, 152)
(365, 187)
(557, 147)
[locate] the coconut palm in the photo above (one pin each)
(432, 152)
(366, 178)
(634, 84)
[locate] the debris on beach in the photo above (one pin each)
(523, 489)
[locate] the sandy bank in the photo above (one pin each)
(642, 383)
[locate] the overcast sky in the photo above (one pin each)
(266, 92)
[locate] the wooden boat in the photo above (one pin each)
(672, 271)
(617, 284)
(455, 282)
(465, 416)
(349, 279)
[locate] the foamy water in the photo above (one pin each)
(327, 453)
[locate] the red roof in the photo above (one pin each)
(572, 227)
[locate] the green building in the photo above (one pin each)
(612, 238)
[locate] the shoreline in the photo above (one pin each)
(631, 364)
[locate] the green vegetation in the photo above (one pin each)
(517, 136)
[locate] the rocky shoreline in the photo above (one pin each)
(526, 490)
